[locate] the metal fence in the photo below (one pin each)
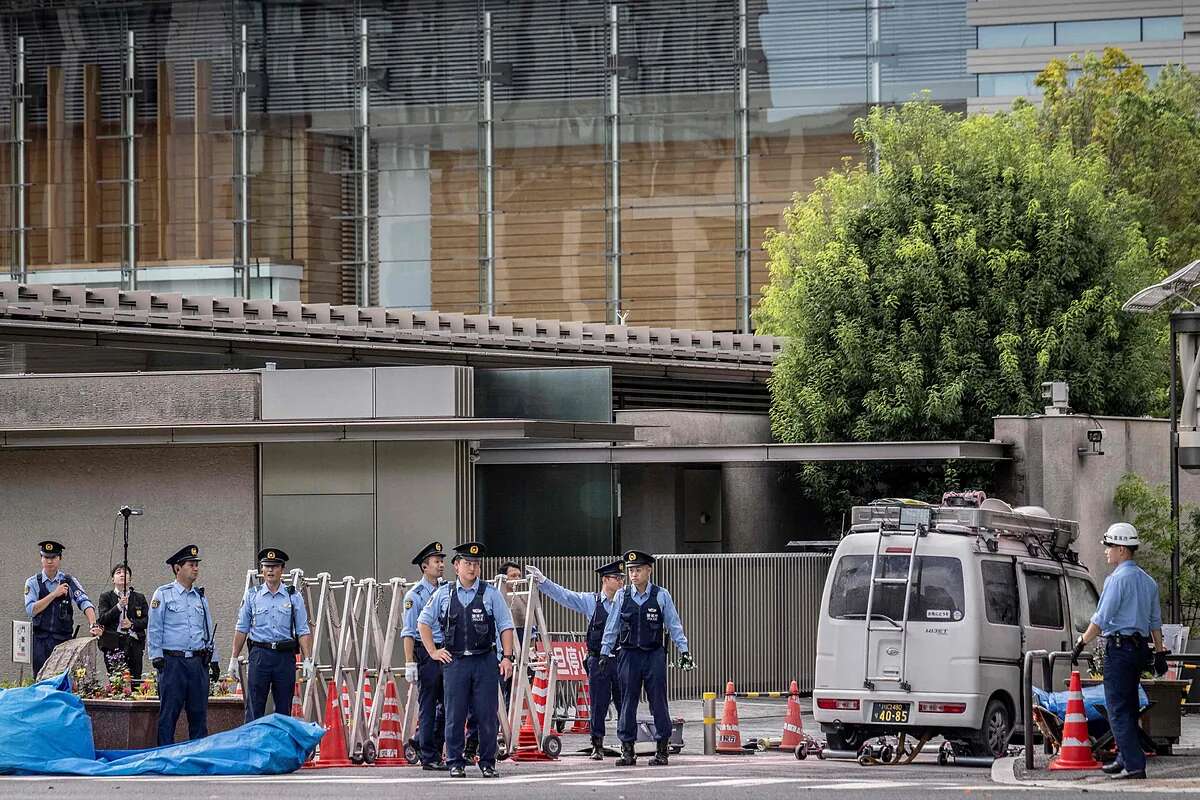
(749, 618)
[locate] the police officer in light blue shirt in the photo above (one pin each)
(643, 611)
(274, 621)
(1128, 617)
(48, 599)
(180, 638)
(597, 607)
(470, 614)
(419, 668)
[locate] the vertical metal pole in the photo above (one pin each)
(1176, 612)
(743, 176)
(21, 271)
(710, 723)
(874, 79)
(129, 107)
(487, 174)
(241, 259)
(614, 168)
(364, 172)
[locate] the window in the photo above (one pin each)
(1082, 596)
(1158, 29)
(937, 589)
(1008, 84)
(1045, 600)
(1098, 31)
(1000, 592)
(1033, 35)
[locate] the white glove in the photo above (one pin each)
(307, 668)
(410, 671)
(535, 573)
(233, 669)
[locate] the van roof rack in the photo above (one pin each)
(990, 520)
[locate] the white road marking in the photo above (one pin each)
(746, 782)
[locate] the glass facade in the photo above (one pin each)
(606, 161)
(1092, 31)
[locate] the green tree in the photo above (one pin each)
(981, 259)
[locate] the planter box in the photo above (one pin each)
(133, 724)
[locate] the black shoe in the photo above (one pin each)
(458, 772)
(437, 766)
(1140, 775)
(489, 772)
(1112, 768)
(660, 755)
(471, 750)
(597, 748)
(628, 758)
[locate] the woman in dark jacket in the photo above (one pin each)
(124, 615)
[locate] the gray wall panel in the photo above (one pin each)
(416, 391)
(417, 501)
(322, 533)
(317, 393)
(318, 468)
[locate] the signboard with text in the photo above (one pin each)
(570, 659)
(21, 641)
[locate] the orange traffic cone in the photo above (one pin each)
(528, 748)
(793, 727)
(332, 750)
(346, 703)
(1075, 752)
(390, 752)
(297, 704)
(583, 710)
(540, 687)
(729, 735)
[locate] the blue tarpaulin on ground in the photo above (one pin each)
(1093, 700)
(45, 730)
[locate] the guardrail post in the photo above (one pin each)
(710, 723)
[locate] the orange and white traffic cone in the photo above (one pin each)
(390, 751)
(583, 710)
(528, 748)
(332, 750)
(346, 703)
(793, 726)
(1075, 752)
(729, 734)
(540, 687)
(297, 704)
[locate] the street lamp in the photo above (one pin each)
(1185, 427)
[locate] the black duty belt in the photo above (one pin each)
(186, 653)
(458, 653)
(1119, 639)
(286, 646)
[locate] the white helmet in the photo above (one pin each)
(1122, 533)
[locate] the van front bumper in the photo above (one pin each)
(970, 717)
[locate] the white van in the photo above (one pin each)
(935, 642)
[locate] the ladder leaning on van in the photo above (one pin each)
(920, 528)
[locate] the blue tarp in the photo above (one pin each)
(267, 746)
(1093, 699)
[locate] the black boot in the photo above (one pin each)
(597, 748)
(660, 757)
(470, 750)
(627, 759)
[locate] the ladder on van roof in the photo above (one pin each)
(919, 530)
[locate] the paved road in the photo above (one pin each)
(770, 775)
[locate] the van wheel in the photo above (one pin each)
(992, 738)
(848, 738)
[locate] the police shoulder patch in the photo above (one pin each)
(154, 603)
(408, 604)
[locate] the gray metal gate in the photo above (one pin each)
(750, 618)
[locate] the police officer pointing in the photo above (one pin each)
(1128, 617)
(419, 667)
(644, 610)
(274, 620)
(597, 607)
(48, 598)
(182, 648)
(470, 614)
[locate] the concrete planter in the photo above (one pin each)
(133, 724)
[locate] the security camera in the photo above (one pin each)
(1096, 435)
(1057, 395)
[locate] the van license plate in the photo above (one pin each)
(890, 712)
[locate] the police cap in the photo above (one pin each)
(272, 555)
(636, 558)
(613, 568)
(50, 548)
(431, 549)
(471, 551)
(186, 553)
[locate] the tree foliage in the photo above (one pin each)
(983, 257)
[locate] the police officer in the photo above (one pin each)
(48, 598)
(419, 668)
(1128, 617)
(596, 606)
(471, 614)
(274, 620)
(644, 610)
(182, 648)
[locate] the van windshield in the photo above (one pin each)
(936, 593)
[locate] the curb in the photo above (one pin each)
(1004, 772)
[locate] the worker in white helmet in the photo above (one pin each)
(1128, 617)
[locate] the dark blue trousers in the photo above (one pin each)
(1123, 666)
(431, 713)
(472, 682)
(43, 643)
(637, 670)
(182, 684)
(603, 690)
(270, 672)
